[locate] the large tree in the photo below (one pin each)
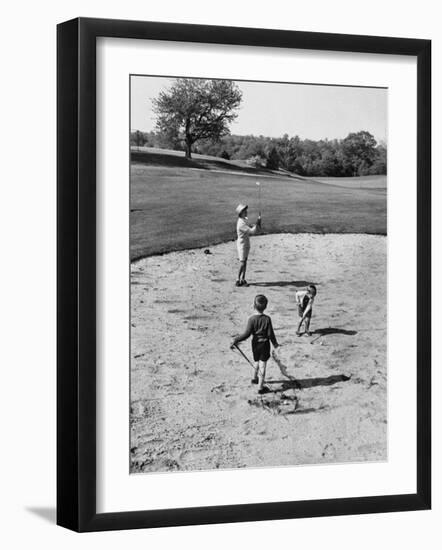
(194, 109)
(359, 153)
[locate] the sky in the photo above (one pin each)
(274, 109)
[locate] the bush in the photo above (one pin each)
(273, 160)
(256, 161)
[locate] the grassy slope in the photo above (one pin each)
(177, 205)
(362, 182)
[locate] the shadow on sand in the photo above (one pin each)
(331, 330)
(284, 283)
(308, 382)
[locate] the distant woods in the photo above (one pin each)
(356, 155)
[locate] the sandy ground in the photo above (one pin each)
(192, 404)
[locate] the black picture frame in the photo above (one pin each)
(77, 287)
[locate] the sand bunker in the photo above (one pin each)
(192, 404)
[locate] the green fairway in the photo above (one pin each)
(361, 182)
(178, 204)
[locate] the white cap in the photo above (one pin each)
(240, 208)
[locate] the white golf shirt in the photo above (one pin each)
(244, 230)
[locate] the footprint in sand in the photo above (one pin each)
(194, 317)
(329, 452)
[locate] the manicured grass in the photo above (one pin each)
(362, 182)
(178, 204)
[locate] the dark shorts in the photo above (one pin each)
(301, 313)
(261, 350)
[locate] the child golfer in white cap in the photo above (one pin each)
(244, 230)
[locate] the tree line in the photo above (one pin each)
(194, 115)
(356, 155)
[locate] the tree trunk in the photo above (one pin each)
(188, 149)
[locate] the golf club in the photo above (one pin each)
(244, 355)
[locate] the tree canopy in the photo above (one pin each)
(359, 152)
(194, 109)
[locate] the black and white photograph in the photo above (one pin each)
(258, 274)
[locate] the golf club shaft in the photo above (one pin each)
(244, 355)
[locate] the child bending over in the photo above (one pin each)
(304, 300)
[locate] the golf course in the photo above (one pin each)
(178, 203)
(192, 404)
